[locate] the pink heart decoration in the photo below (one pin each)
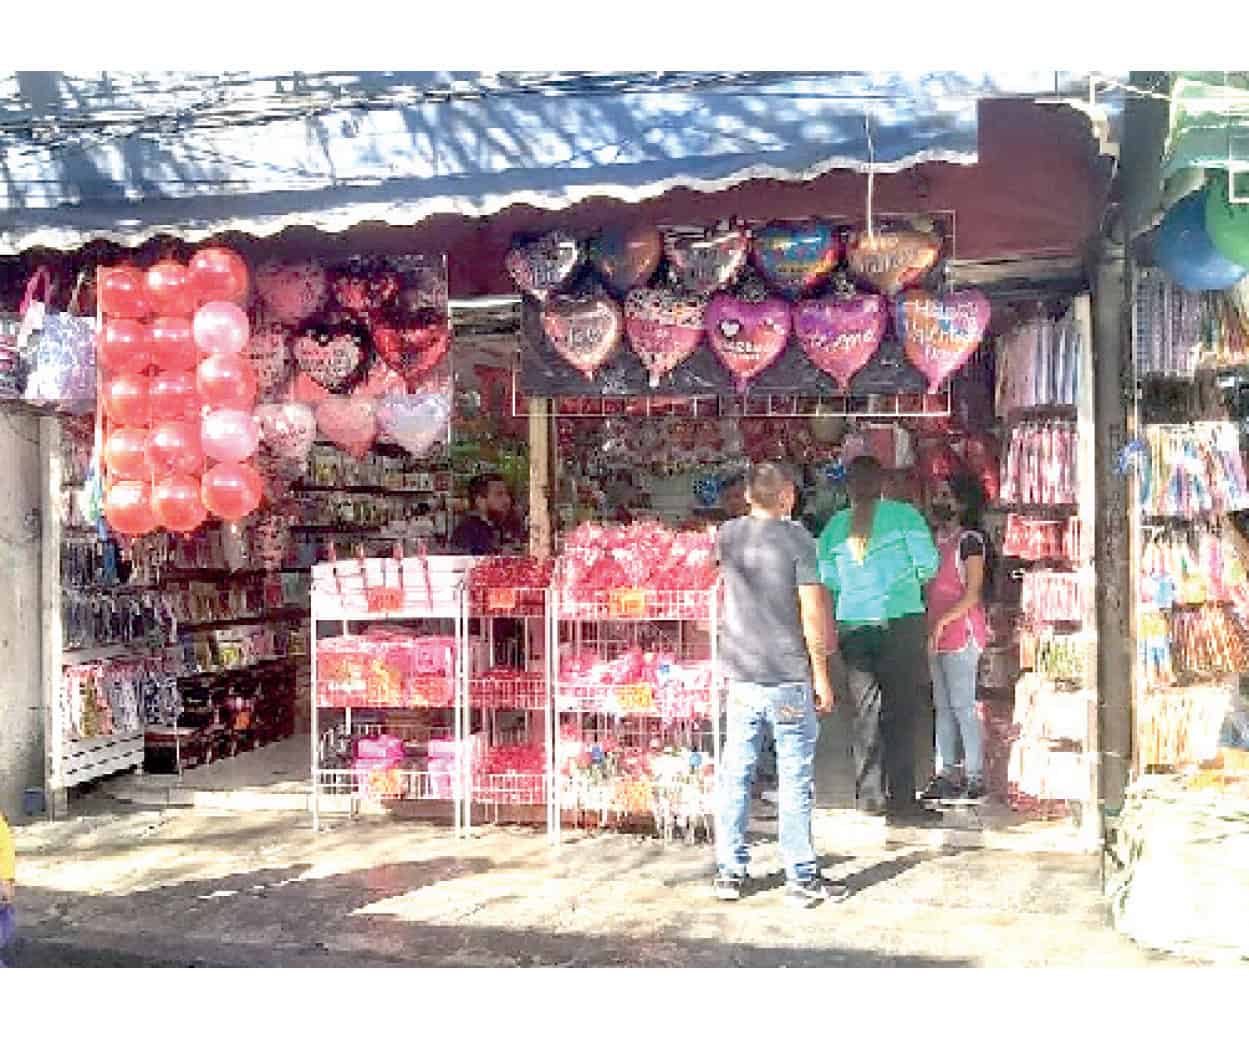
(890, 261)
(796, 258)
(304, 390)
(270, 354)
(542, 267)
(416, 422)
(585, 332)
(840, 335)
(747, 337)
(331, 356)
(664, 328)
(705, 261)
(941, 332)
(287, 431)
(382, 381)
(350, 422)
(292, 293)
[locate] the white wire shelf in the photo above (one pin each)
(431, 692)
(528, 693)
(387, 784)
(507, 602)
(637, 605)
(633, 699)
(509, 789)
(639, 796)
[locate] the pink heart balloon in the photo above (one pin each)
(350, 422)
(287, 431)
(542, 267)
(382, 381)
(664, 328)
(584, 332)
(889, 261)
(332, 356)
(840, 335)
(941, 332)
(416, 422)
(747, 337)
(292, 293)
(705, 261)
(270, 354)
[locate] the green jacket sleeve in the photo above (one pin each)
(922, 548)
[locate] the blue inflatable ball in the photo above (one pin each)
(1184, 250)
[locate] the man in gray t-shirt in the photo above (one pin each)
(774, 655)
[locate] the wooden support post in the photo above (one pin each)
(541, 477)
(56, 796)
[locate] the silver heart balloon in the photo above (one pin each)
(416, 422)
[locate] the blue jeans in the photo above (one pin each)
(8, 926)
(789, 711)
(954, 698)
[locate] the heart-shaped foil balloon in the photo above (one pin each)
(416, 422)
(363, 286)
(705, 261)
(747, 337)
(585, 332)
(269, 352)
(292, 293)
(350, 422)
(796, 259)
(840, 335)
(664, 328)
(941, 332)
(889, 261)
(412, 350)
(382, 381)
(542, 267)
(626, 257)
(331, 355)
(287, 432)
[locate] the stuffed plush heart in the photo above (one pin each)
(412, 350)
(292, 293)
(350, 422)
(796, 259)
(269, 352)
(840, 335)
(941, 332)
(416, 422)
(332, 355)
(706, 261)
(543, 267)
(664, 328)
(287, 431)
(584, 332)
(747, 337)
(626, 257)
(889, 261)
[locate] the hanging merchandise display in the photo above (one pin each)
(1193, 470)
(1039, 363)
(1168, 327)
(1041, 464)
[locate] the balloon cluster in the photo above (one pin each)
(354, 351)
(176, 394)
(665, 294)
(1203, 241)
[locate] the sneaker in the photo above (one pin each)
(940, 789)
(728, 887)
(812, 892)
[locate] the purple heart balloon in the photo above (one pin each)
(840, 335)
(416, 422)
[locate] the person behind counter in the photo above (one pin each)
(487, 526)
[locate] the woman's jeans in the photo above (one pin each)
(954, 697)
(788, 709)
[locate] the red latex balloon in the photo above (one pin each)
(125, 399)
(128, 507)
(121, 294)
(125, 453)
(226, 381)
(231, 490)
(174, 397)
(172, 345)
(176, 503)
(170, 293)
(174, 447)
(219, 274)
(124, 346)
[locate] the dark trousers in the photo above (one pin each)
(887, 672)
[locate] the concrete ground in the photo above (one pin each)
(121, 885)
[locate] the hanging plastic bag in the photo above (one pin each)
(59, 348)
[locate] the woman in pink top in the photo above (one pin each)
(957, 634)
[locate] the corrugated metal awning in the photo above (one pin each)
(124, 157)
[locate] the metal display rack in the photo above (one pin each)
(635, 718)
(445, 603)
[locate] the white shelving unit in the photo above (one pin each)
(634, 717)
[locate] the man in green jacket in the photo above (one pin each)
(876, 557)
